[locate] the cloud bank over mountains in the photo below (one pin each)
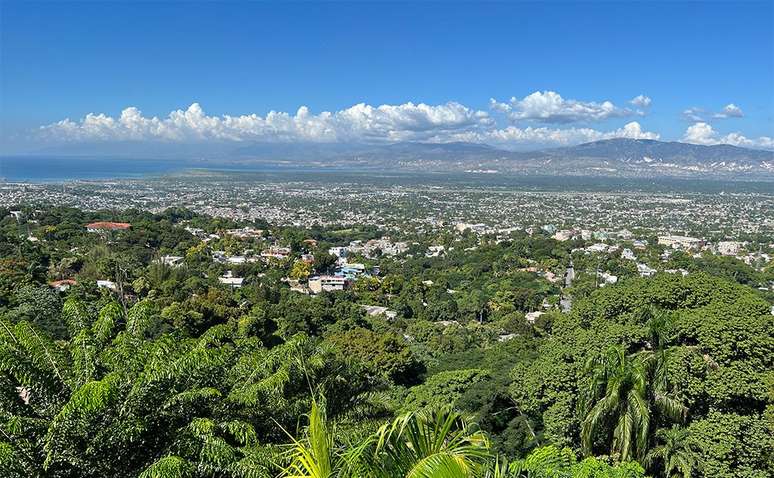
(548, 136)
(539, 119)
(550, 107)
(704, 133)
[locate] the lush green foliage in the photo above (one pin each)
(174, 374)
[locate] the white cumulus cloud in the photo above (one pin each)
(360, 122)
(700, 115)
(550, 107)
(641, 101)
(365, 123)
(704, 133)
(730, 111)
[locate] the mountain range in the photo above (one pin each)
(613, 157)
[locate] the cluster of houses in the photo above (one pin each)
(245, 233)
(370, 249)
(686, 243)
(583, 234)
(201, 234)
(345, 273)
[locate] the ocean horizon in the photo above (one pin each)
(54, 169)
(39, 169)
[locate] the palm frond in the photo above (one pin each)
(169, 467)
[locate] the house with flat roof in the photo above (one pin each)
(106, 284)
(680, 242)
(326, 283)
(231, 281)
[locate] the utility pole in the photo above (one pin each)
(120, 287)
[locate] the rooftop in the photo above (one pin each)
(108, 225)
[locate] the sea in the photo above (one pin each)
(57, 169)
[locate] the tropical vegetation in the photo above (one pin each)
(174, 374)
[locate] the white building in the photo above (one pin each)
(730, 248)
(628, 255)
(106, 284)
(607, 278)
(680, 242)
(231, 281)
(682, 272)
(598, 247)
(379, 310)
(645, 270)
(339, 251)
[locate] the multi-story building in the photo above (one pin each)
(680, 242)
(319, 284)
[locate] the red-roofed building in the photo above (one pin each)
(62, 285)
(107, 226)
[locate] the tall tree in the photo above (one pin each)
(622, 394)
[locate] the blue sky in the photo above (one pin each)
(707, 66)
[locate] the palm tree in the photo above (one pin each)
(626, 393)
(429, 443)
(676, 454)
(424, 444)
(616, 393)
(315, 456)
